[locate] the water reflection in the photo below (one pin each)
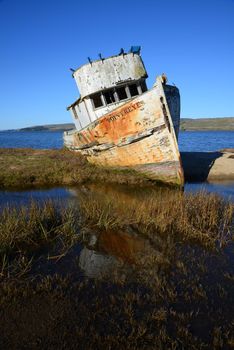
(68, 195)
(153, 246)
(17, 198)
(133, 245)
(222, 188)
(108, 251)
(95, 264)
(103, 251)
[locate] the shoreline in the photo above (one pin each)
(208, 166)
(36, 168)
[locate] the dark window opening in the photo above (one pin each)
(133, 90)
(97, 101)
(109, 96)
(143, 86)
(121, 93)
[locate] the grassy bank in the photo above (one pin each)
(162, 277)
(208, 124)
(29, 168)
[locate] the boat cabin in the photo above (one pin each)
(106, 84)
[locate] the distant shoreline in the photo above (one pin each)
(207, 124)
(186, 124)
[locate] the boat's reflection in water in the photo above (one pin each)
(113, 250)
(108, 251)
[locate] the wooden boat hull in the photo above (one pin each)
(140, 135)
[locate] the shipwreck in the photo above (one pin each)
(121, 123)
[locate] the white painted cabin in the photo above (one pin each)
(106, 84)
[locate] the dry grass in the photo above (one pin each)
(162, 215)
(30, 168)
(170, 285)
(25, 231)
(202, 218)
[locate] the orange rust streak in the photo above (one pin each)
(121, 245)
(131, 119)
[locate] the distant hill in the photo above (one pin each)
(49, 127)
(185, 124)
(207, 124)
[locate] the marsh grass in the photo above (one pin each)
(25, 231)
(178, 292)
(30, 168)
(162, 217)
(201, 217)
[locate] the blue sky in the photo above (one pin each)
(192, 41)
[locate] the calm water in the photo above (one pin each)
(69, 195)
(15, 198)
(205, 141)
(35, 139)
(200, 141)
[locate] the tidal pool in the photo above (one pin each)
(118, 267)
(224, 189)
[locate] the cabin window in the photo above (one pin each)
(97, 101)
(109, 96)
(143, 86)
(118, 94)
(133, 90)
(122, 95)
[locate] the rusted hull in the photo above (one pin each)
(139, 135)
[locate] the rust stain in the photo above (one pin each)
(122, 245)
(131, 119)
